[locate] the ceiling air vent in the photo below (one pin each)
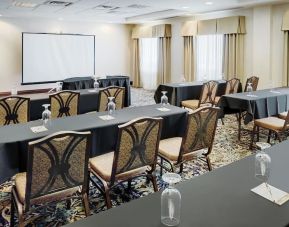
(105, 7)
(137, 6)
(58, 3)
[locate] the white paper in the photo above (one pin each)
(163, 109)
(183, 84)
(38, 129)
(271, 193)
(92, 90)
(255, 96)
(276, 92)
(106, 117)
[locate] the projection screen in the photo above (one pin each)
(54, 57)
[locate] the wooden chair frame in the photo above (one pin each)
(106, 91)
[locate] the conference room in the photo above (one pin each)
(144, 113)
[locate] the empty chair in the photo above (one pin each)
(231, 88)
(14, 110)
(64, 103)
(112, 91)
(254, 80)
(57, 168)
(207, 97)
(274, 125)
(135, 156)
(199, 135)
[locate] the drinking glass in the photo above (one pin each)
(111, 106)
(249, 88)
(171, 201)
(14, 90)
(164, 98)
(46, 115)
(262, 166)
(205, 78)
(59, 86)
(95, 83)
(183, 78)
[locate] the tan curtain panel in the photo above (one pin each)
(286, 59)
(189, 61)
(136, 63)
(164, 61)
(156, 31)
(285, 25)
(233, 62)
(231, 25)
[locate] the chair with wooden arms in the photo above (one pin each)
(232, 87)
(135, 156)
(199, 135)
(64, 103)
(14, 110)
(112, 91)
(207, 97)
(254, 80)
(57, 168)
(275, 125)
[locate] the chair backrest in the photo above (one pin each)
(57, 162)
(209, 92)
(64, 103)
(254, 80)
(14, 110)
(286, 123)
(232, 86)
(137, 145)
(200, 131)
(112, 91)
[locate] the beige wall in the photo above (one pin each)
(111, 47)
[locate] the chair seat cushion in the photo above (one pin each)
(20, 185)
(170, 149)
(283, 115)
(102, 166)
(273, 123)
(192, 104)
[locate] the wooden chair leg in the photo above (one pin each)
(209, 163)
(252, 137)
(154, 181)
(21, 221)
(181, 167)
(269, 136)
(161, 171)
(12, 212)
(222, 120)
(68, 204)
(107, 198)
(258, 132)
(129, 184)
(279, 137)
(239, 125)
(86, 204)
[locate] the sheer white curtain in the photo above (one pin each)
(209, 57)
(148, 62)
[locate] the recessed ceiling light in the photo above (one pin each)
(185, 7)
(24, 4)
(0, 15)
(209, 3)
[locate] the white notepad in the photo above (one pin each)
(38, 129)
(163, 109)
(276, 92)
(106, 117)
(92, 90)
(271, 193)
(255, 96)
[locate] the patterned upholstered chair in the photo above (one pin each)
(254, 80)
(275, 125)
(231, 88)
(135, 156)
(199, 135)
(14, 110)
(112, 91)
(207, 97)
(57, 168)
(64, 103)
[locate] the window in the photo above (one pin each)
(209, 57)
(148, 62)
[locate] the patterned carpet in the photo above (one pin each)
(226, 150)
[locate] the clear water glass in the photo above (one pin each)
(46, 115)
(164, 98)
(14, 90)
(171, 201)
(95, 83)
(183, 79)
(262, 166)
(249, 88)
(205, 78)
(111, 106)
(59, 86)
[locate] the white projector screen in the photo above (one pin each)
(54, 57)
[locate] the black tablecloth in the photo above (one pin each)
(261, 104)
(14, 138)
(77, 83)
(221, 198)
(178, 92)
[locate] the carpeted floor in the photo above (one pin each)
(227, 149)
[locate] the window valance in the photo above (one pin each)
(156, 31)
(285, 25)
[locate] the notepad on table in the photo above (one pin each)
(163, 109)
(106, 117)
(38, 129)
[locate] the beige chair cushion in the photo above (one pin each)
(283, 115)
(170, 150)
(20, 184)
(192, 104)
(102, 166)
(273, 123)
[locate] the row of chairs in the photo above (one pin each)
(15, 109)
(59, 165)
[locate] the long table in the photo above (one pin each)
(221, 198)
(178, 92)
(14, 138)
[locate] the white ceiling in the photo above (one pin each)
(121, 11)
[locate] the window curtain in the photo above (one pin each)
(189, 61)
(136, 63)
(286, 59)
(164, 60)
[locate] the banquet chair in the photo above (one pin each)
(14, 110)
(275, 125)
(135, 156)
(197, 142)
(57, 170)
(112, 91)
(254, 80)
(64, 103)
(231, 88)
(207, 97)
